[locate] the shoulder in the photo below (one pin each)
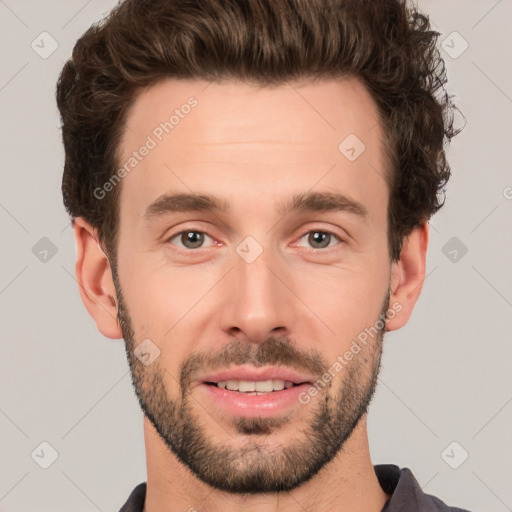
(406, 493)
(135, 502)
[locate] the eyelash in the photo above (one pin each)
(191, 230)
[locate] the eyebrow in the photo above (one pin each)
(311, 201)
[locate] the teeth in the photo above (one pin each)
(265, 386)
(232, 385)
(278, 385)
(255, 387)
(245, 386)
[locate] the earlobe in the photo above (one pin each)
(94, 276)
(407, 276)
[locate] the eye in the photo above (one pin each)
(190, 239)
(195, 239)
(320, 239)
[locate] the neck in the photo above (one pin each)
(347, 484)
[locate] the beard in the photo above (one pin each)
(255, 467)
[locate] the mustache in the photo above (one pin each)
(275, 351)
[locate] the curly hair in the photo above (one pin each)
(388, 45)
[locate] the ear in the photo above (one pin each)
(95, 281)
(407, 276)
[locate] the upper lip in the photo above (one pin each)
(251, 373)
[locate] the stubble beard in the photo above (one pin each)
(254, 467)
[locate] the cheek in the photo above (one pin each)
(155, 311)
(159, 293)
(164, 304)
(347, 301)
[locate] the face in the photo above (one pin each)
(253, 256)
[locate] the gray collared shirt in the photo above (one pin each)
(406, 493)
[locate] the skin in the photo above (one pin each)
(244, 144)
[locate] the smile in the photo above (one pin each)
(254, 387)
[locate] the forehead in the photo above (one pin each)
(236, 139)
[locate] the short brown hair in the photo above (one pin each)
(387, 44)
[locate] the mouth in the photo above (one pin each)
(260, 387)
(250, 379)
(251, 392)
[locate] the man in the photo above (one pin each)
(250, 183)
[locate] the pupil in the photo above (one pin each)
(192, 238)
(318, 237)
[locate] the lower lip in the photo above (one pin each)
(263, 406)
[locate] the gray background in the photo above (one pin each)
(446, 375)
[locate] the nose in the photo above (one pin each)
(258, 300)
